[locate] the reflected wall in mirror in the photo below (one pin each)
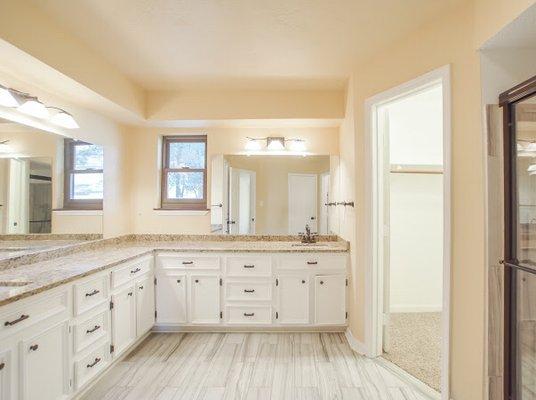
(48, 182)
(270, 195)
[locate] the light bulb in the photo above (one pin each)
(253, 145)
(33, 107)
(64, 119)
(7, 99)
(297, 145)
(276, 143)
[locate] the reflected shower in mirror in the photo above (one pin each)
(270, 195)
(47, 182)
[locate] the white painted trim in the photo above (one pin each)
(180, 212)
(415, 308)
(79, 213)
(355, 345)
(373, 275)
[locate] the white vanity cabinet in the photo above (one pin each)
(250, 289)
(145, 304)
(123, 318)
(8, 369)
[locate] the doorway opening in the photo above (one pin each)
(408, 280)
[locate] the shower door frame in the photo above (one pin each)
(508, 100)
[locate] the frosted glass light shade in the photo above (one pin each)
(65, 120)
(276, 143)
(33, 107)
(253, 145)
(7, 99)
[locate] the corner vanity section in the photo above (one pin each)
(82, 318)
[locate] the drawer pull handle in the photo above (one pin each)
(130, 293)
(249, 266)
(249, 290)
(187, 262)
(2, 366)
(135, 271)
(16, 321)
(312, 262)
(34, 347)
(97, 360)
(249, 314)
(97, 327)
(93, 293)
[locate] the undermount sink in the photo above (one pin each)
(14, 283)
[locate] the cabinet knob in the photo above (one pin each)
(321, 282)
(130, 293)
(34, 347)
(178, 281)
(303, 281)
(2, 366)
(197, 281)
(141, 287)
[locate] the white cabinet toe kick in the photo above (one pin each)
(251, 292)
(56, 344)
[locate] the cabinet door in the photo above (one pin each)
(123, 319)
(293, 299)
(144, 305)
(205, 299)
(330, 300)
(171, 299)
(8, 378)
(44, 364)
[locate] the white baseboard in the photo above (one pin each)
(412, 308)
(355, 344)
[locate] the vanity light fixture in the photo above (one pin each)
(276, 145)
(5, 148)
(33, 107)
(63, 118)
(7, 99)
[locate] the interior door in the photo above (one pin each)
(302, 203)
(241, 201)
(18, 191)
(384, 184)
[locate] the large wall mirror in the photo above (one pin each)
(271, 195)
(49, 184)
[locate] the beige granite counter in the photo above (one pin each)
(80, 261)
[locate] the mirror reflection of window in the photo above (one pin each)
(84, 183)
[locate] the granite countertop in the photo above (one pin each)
(14, 248)
(84, 261)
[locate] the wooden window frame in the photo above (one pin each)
(76, 204)
(182, 204)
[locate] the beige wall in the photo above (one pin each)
(440, 43)
(144, 153)
(271, 210)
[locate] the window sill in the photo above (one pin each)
(167, 211)
(68, 211)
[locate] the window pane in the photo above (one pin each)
(88, 156)
(187, 155)
(87, 186)
(185, 185)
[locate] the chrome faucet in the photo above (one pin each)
(308, 237)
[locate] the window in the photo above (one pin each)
(83, 188)
(184, 172)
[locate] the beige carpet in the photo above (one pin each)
(416, 345)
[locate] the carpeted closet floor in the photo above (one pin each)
(416, 345)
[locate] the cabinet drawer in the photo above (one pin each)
(249, 266)
(173, 261)
(249, 315)
(248, 290)
(312, 261)
(19, 316)
(90, 365)
(91, 330)
(130, 271)
(90, 293)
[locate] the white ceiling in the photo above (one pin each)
(169, 44)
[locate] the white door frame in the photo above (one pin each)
(374, 226)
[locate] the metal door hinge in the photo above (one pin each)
(221, 314)
(155, 313)
(111, 305)
(346, 315)
(155, 281)
(221, 282)
(112, 348)
(276, 282)
(346, 281)
(276, 315)
(70, 383)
